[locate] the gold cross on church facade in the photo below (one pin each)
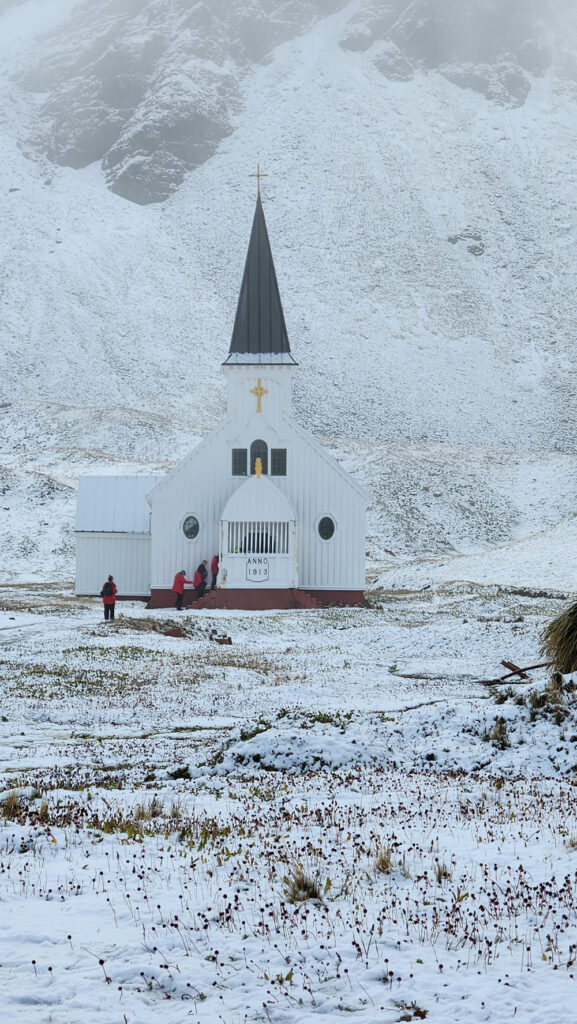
(259, 391)
(258, 176)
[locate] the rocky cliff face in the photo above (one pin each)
(151, 87)
(493, 48)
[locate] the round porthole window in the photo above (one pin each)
(326, 528)
(190, 527)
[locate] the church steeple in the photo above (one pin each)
(259, 335)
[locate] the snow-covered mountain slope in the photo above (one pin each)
(422, 232)
(152, 87)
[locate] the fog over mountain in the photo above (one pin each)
(420, 198)
(151, 89)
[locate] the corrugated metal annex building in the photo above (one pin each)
(287, 522)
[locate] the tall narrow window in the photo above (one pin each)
(278, 462)
(239, 461)
(259, 450)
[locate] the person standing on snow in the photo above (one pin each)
(178, 588)
(214, 571)
(108, 595)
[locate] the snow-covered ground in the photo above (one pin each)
(331, 814)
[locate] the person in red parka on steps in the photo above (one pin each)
(199, 580)
(214, 571)
(178, 588)
(108, 595)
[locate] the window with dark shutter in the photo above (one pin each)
(239, 461)
(278, 462)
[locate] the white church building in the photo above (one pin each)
(286, 520)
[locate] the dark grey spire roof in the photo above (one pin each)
(259, 334)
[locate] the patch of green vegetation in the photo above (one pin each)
(199, 728)
(261, 726)
(339, 720)
(126, 652)
(44, 682)
(553, 700)
(501, 696)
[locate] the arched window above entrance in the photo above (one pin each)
(259, 450)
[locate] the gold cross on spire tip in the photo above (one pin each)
(259, 174)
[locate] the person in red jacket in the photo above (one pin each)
(199, 580)
(178, 587)
(214, 571)
(108, 595)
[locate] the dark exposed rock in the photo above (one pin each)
(477, 44)
(151, 88)
(392, 63)
(504, 83)
(373, 22)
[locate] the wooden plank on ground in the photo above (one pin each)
(514, 669)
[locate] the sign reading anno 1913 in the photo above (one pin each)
(257, 569)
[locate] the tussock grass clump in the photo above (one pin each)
(146, 812)
(11, 805)
(300, 886)
(442, 872)
(498, 735)
(384, 860)
(559, 641)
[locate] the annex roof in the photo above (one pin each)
(259, 334)
(114, 504)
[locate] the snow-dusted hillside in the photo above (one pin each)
(422, 231)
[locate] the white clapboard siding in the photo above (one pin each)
(200, 487)
(126, 556)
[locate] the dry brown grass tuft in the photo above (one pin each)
(10, 806)
(300, 886)
(442, 872)
(146, 812)
(168, 627)
(384, 860)
(559, 641)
